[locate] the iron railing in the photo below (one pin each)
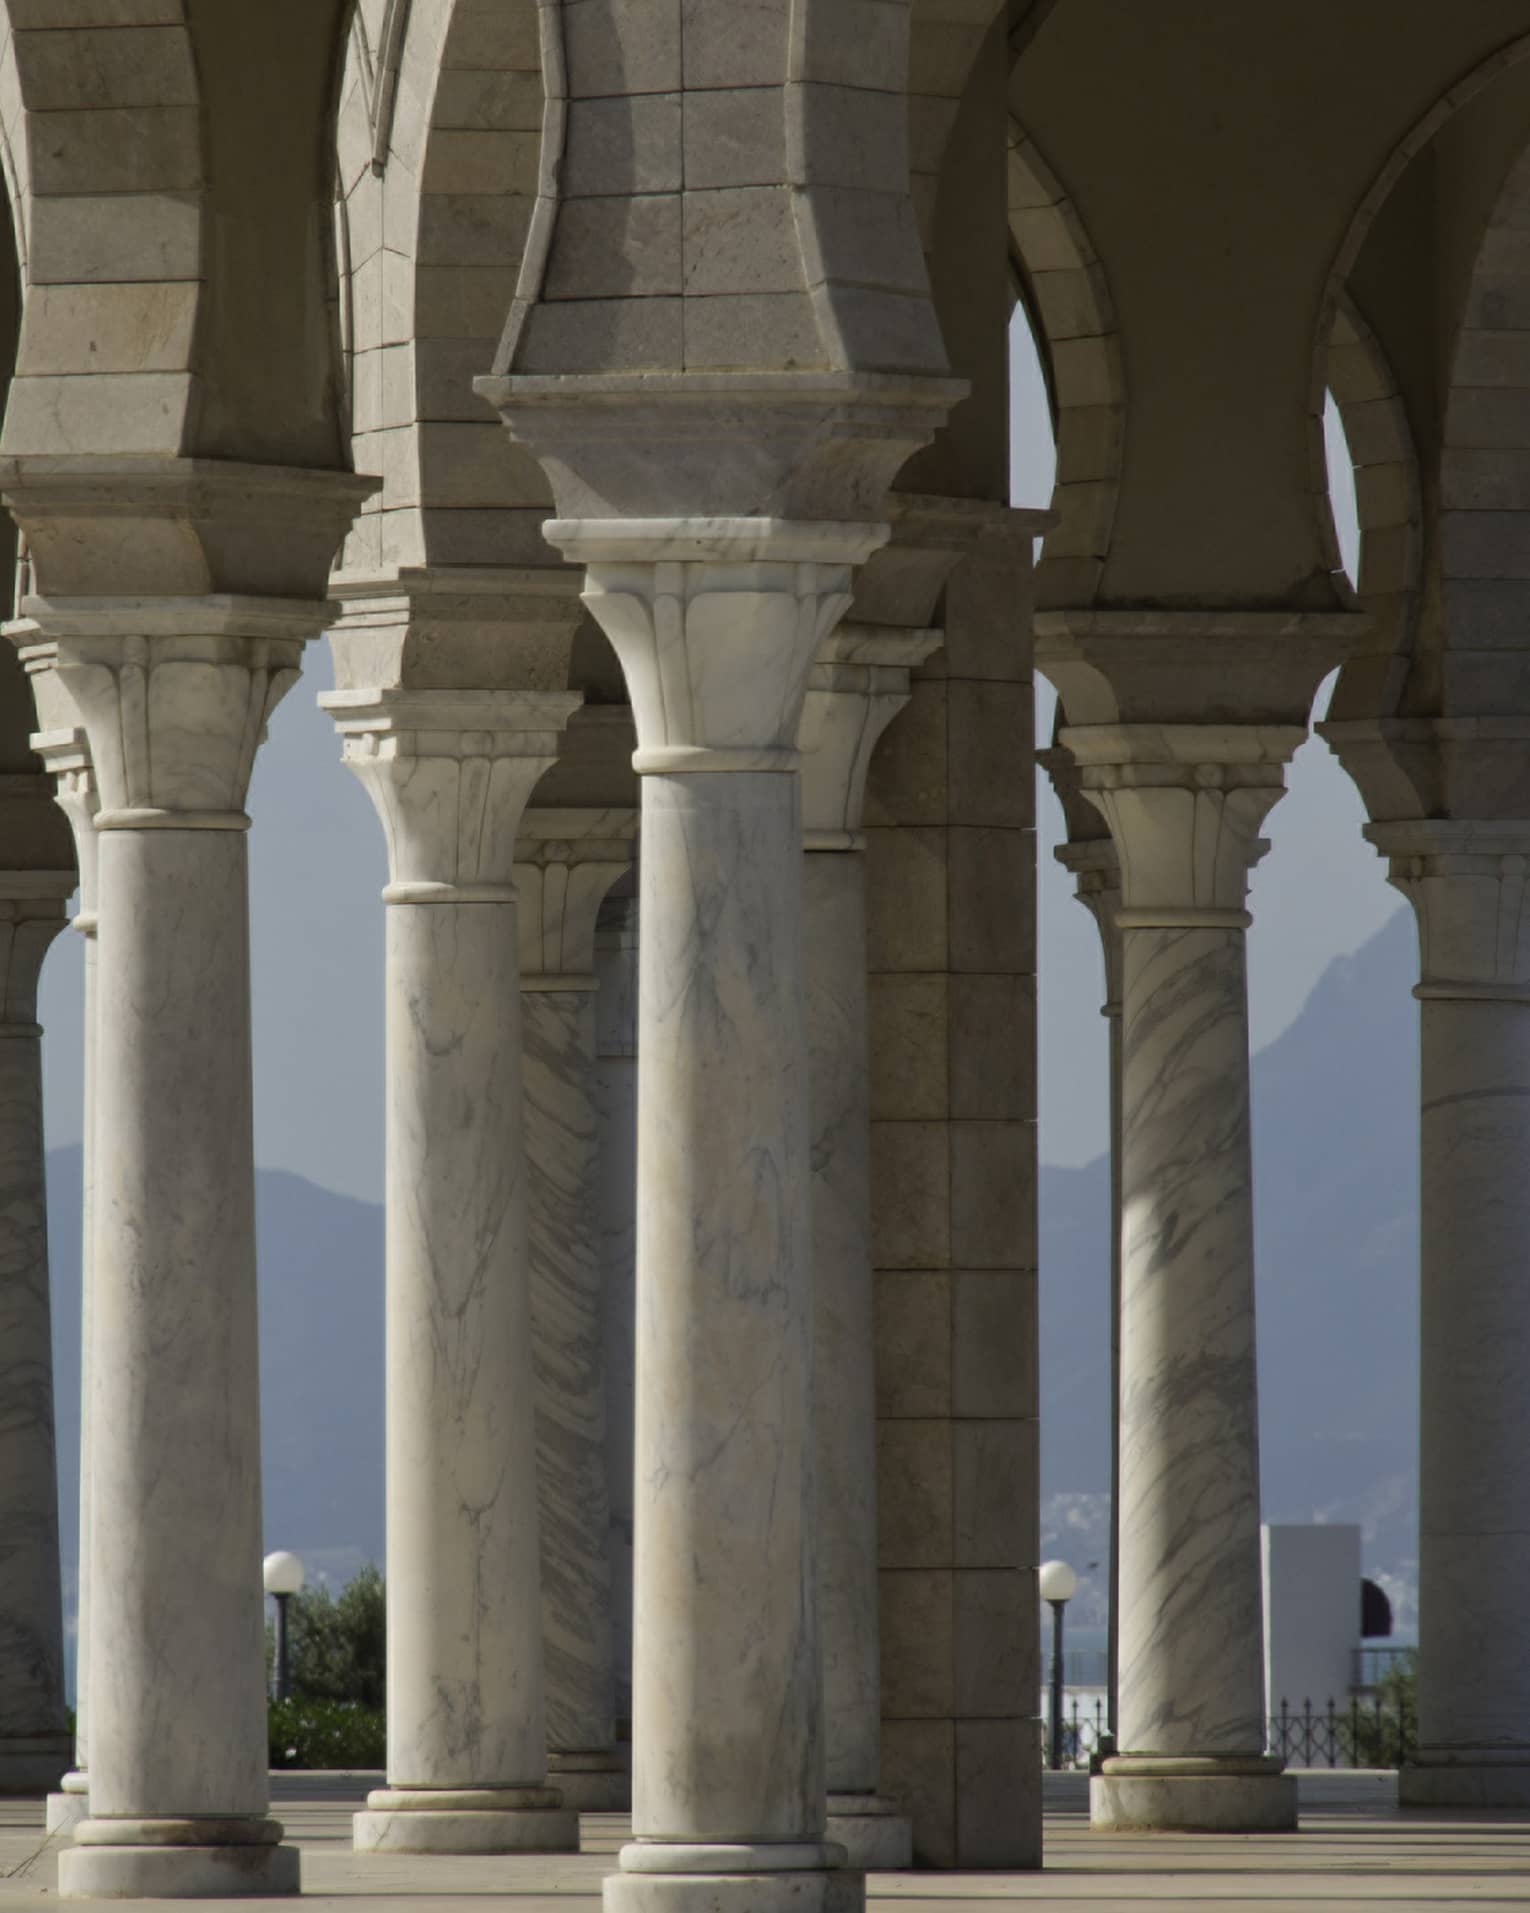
(1365, 1731)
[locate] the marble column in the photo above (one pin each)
(566, 861)
(449, 773)
(174, 698)
(717, 623)
(616, 1019)
(1096, 872)
(1184, 804)
(34, 1742)
(1469, 884)
(66, 754)
(858, 685)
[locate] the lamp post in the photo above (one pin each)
(283, 1577)
(1057, 1583)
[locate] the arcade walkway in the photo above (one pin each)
(1355, 1850)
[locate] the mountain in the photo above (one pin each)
(1335, 1128)
(1335, 1151)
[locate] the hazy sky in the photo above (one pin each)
(317, 865)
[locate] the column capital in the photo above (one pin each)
(716, 622)
(1184, 803)
(857, 685)
(498, 628)
(66, 757)
(1153, 665)
(172, 694)
(1469, 885)
(449, 773)
(565, 863)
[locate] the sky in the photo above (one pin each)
(317, 865)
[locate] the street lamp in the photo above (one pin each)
(1058, 1584)
(283, 1577)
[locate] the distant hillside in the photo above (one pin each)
(1336, 1220)
(1336, 1115)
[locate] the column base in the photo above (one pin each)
(664, 1877)
(591, 1782)
(1466, 1777)
(466, 1820)
(1145, 1793)
(71, 1804)
(876, 1835)
(193, 1859)
(33, 1763)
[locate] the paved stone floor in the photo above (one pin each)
(1354, 1849)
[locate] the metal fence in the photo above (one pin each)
(1365, 1731)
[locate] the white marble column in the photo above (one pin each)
(1469, 884)
(449, 773)
(616, 1032)
(717, 623)
(566, 861)
(1184, 804)
(34, 1744)
(858, 685)
(66, 754)
(173, 716)
(1096, 872)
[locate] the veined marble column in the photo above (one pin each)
(66, 754)
(1469, 884)
(565, 863)
(1184, 804)
(717, 623)
(174, 698)
(858, 685)
(616, 1018)
(449, 773)
(1092, 862)
(34, 1743)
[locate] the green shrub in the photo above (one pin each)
(327, 1733)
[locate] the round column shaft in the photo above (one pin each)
(178, 1782)
(716, 625)
(566, 862)
(1467, 884)
(34, 1744)
(449, 773)
(66, 754)
(616, 949)
(858, 684)
(1184, 805)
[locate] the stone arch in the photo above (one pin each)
(1387, 491)
(439, 143)
(1059, 276)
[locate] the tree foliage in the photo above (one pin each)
(337, 1645)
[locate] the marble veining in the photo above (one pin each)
(727, 1685)
(1191, 1677)
(568, 1339)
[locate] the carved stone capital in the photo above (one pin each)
(449, 774)
(1154, 666)
(449, 627)
(172, 695)
(565, 864)
(161, 527)
(783, 447)
(857, 685)
(716, 623)
(1469, 885)
(1184, 803)
(66, 756)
